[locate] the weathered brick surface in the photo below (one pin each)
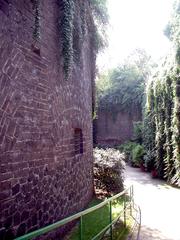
(41, 178)
(117, 129)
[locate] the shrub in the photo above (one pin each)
(134, 153)
(127, 149)
(137, 155)
(109, 166)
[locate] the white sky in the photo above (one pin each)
(136, 24)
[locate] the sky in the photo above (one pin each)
(135, 24)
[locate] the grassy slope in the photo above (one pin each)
(97, 220)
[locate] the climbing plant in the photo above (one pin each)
(149, 128)
(76, 17)
(176, 128)
(66, 24)
(36, 25)
(162, 113)
(159, 122)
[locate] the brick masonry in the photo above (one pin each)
(41, 178)
(112, 130)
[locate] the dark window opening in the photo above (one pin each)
(78, 141)
(36, 49)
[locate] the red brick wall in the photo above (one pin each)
(116, 128)
(41, 178)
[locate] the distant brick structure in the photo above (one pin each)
(45, 122)
(115, 128)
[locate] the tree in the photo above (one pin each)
(122, 88)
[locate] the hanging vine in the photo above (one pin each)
(162, 110)
(73, 25)
(160, 137)
(66, 24)
(149, 128)
(163, 101)
(176, 129)
(36, 25)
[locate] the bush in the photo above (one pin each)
(109, 166)
(134, 153)
(127, 149)
(137, 155)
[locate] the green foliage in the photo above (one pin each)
(143, 61)
(134, 153)
(172, 30)
(161, 124)
(149, 159)
(95, 221)
(122, 88)
(176, 129)
(178, 55)
(134, 150)
(100, 15)
(124, 92)
(66, 24)
(36, 25)
(137, 155)
(103, 84)
(149, 129)
(76, 17)
(162, 118)
(100, 11)
(138, 132)
(127, 148)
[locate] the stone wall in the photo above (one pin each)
(42, 179)
(112, 129)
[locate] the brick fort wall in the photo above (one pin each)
(112, 130)
(42, 178)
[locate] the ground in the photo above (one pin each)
(159, 203)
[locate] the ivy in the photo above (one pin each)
(176, 129)
(76, 18)
(36, 25)
(162, 124)
(66, 24)
(160, 128)
(162, 115)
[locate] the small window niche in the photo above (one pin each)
(36, 48)
(78, 141)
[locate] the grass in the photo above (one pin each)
(94, 222)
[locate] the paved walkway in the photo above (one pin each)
(160, 206)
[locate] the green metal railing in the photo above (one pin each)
(128, 199)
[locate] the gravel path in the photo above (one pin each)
(159, 203)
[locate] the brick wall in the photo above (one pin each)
(42, 180)
(116, 128)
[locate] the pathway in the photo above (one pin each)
(159, 203)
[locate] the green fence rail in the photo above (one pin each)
(128, 203)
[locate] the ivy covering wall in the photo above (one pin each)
(162, 113)
(77, 19)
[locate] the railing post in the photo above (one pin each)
(110, 219)
(131, 199)
(133, 195)
(80, 229)
(125, 210)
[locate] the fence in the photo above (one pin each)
(128, 207)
